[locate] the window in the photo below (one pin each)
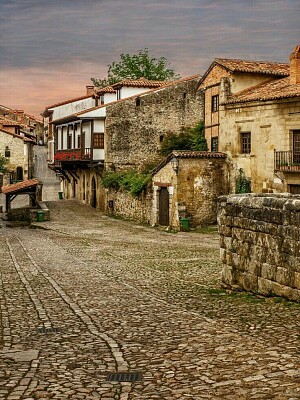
(214, 144)
(118, 94)
(184, 95)
(215, 103)
(7, 152)
(69, 144)
(102, 99)
(245, 142)
(98, 141)
(138, 102)
(78, 141)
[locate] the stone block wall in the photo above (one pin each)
(135, 127)
(260, 246)
(123, 204)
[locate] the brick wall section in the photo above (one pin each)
(260, 248)
(134, 132)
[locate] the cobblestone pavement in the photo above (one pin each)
(88, 294)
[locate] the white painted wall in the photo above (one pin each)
(72, 108)
(98, 154)
(132, 91)
(99, 125)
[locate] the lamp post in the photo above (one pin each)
(175, 164)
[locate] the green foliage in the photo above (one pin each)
(3, 163)
(130, 181)
(198, 135)
(242, 184)
(187, 139)
(140, 65)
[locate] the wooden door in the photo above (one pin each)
(164, 207)
(94, 197)
(295, 189)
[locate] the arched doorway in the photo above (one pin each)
(93, 194)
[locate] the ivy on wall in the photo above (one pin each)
(242, 183)
(3, 164)
(131, 181)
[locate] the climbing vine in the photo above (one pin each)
(242, 183)
(131, 181)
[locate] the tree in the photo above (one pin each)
(136, 66)
(3, 163)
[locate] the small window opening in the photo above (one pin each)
(161, 138)
(138, 102)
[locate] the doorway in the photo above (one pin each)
(164, 207)
(93, 194)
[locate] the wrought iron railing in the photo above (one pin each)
(287, 161)
(84, 154)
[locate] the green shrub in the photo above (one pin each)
(242, 184)
(187, 139)
(131, 181)
(3, 163)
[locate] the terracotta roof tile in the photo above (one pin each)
(141, 82)
(254, 67)
(188, 154)
(106, 89)
(275, 89)
(19, 186)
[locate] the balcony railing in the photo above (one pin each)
(85, 154)
(287, 161)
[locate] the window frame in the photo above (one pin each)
(245, 142)
(98, 140)
(215, 103)
(214, 141)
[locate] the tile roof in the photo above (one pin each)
(16, 187)
(272, 90)
(106, 89)
(141, 82)
(188, 154)
(254, 67)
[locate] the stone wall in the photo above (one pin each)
(123, 204)
(136, 127)
(260, 246)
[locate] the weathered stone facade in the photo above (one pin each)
(123, 204)
(193, 188)
(260, 246)
(136, 126)
(20, 154)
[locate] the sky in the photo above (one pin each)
(49, 49)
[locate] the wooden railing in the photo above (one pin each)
(84, 154)
(287, 161)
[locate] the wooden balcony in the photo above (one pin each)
(73, 155)
(287, 161)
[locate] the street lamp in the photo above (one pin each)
(175, 164)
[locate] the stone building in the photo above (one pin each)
(19, 122)
(252, 114)
(187, 184)
(120, 134)
(19, 152)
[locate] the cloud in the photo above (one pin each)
(53, 37)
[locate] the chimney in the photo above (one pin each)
(295, 66)
(90, 90)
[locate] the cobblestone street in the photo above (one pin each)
(88, 295)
